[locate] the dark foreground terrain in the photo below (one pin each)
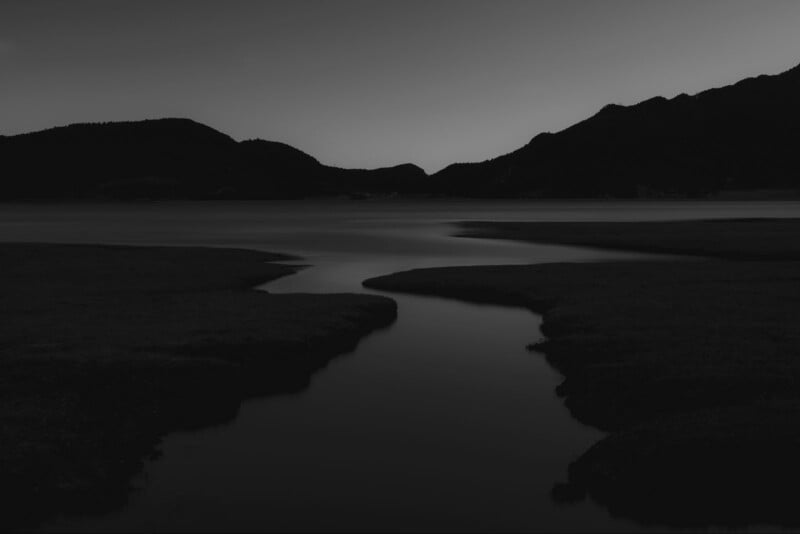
(105, 349)
(693, 366)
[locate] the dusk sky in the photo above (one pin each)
(376, 83)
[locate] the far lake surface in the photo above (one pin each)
(443, 421)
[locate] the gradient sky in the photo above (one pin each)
(375, 83)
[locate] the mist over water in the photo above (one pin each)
(443, 421)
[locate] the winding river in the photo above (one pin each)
(443, 421)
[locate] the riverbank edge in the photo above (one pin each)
(730, 239)
(681, 465)
(82, 410)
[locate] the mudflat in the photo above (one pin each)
(104, 349)
(692, 366)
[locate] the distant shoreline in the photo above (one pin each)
(735, 239)
(403, 199)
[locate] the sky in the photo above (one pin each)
(375, 83)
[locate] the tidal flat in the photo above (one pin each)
(105, 349)
(690, 365)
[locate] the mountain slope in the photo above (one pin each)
(175, 159)
(84, 160)
(743, 136)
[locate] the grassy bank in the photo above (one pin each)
(105, 349)
(692, 367)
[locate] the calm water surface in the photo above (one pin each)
(441, 422)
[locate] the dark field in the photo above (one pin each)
(692, 366)
(103, 350)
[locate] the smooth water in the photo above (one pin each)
(443, 421)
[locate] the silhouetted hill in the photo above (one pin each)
(176, 159)
(404, 179)
(157, 157)
(740, 137)
(743, 136)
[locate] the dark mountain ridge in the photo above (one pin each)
(176, 159)
(742, 136)
(739, 137)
